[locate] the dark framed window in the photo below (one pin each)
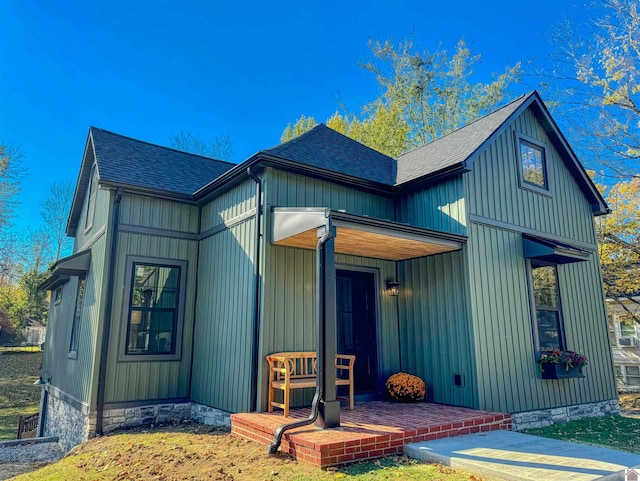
(154, 309)
(548, 328)
(57, 296)
(533, 164)
(91, 196)
(77, 317)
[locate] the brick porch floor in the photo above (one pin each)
(371, 430)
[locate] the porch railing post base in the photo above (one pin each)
(328, 415)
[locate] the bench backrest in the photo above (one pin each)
(299, 364)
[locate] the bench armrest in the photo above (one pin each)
(345, 361)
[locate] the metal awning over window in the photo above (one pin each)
(359, 235)
(554, 251)
(61, 270)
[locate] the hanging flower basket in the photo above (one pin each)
(559, 364)
(406, 388)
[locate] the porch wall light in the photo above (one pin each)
(393, 288)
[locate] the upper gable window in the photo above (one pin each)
(533, 169)
(91, 202)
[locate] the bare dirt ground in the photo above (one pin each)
(191, 451)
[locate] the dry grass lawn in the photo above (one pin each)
(19, 368)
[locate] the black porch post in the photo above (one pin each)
(329, 412)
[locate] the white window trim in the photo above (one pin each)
(618, 330)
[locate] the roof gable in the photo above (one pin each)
(456, 147)
(324, 148)
(462, 146)
(127, 162)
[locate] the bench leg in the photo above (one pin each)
(351, 395)
(270, 408)
(286, 402)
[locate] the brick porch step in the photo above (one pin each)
(372, 430)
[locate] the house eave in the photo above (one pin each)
(204, 194)
(360, 235)
(61, 270)
(432, 178)
(160, 193)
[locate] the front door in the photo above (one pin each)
(356, 306)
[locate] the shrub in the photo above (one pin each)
(405, 387)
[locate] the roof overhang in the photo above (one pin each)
(549, 250)
(358, 235)
(60, 272)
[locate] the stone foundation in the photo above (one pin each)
(141, 415)
(68, 419)
(72, 422)
(548, 417)
(210, 416)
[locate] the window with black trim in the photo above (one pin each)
(91, 195)
(547, 312)
(533, 169)
(154, 317)
(57, 297)
(77, 317)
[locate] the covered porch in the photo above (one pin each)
(336, 235)
(371, 430)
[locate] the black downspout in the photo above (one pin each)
(195, 301)
(319, 394)
(102, 373)
(256, 279)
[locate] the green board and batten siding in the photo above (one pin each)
(434, 326)
(435, 337)
(289, 310)
(503, 344)
(74, 376)
(134, 381)
(439, 207)
(223, 339)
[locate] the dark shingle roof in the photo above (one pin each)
(324, 148)
(124, 160)
(456, 147)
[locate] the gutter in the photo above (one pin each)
(256, 286)
(318, 397)
(225, 179)
(102, 374)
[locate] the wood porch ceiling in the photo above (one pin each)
(369, 244)
(359, 235)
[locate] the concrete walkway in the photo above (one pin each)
(516, 456)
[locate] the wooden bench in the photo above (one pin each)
(28, 426)
(297, 370)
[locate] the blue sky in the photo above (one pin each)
(147, 69)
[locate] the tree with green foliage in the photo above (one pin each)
(423, 96)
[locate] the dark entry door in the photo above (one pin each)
(356, 308)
